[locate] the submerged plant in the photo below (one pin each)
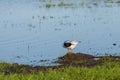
(65, 4)
(48, 5)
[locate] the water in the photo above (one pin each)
(31, 33)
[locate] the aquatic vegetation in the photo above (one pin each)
(83, 3)
(49, 5)
(95, 3)
(43, 17)
(31, 26)
(112, 1)
(65, 4)
(60, 4)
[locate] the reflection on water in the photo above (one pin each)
(32, 32)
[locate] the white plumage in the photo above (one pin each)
(70, 45)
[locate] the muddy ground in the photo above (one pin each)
(70, 59)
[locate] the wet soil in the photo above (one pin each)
(85, 60)
(70, 59)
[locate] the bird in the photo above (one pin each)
(70, 45)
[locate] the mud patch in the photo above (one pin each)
(77, 59)
(85, 60)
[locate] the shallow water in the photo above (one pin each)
(32, 33)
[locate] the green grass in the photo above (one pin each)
(107, 71)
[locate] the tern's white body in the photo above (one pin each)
(70, 45)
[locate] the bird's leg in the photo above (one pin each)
(70, 51)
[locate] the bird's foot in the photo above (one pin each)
(70, 54)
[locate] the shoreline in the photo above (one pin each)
(68, 60)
